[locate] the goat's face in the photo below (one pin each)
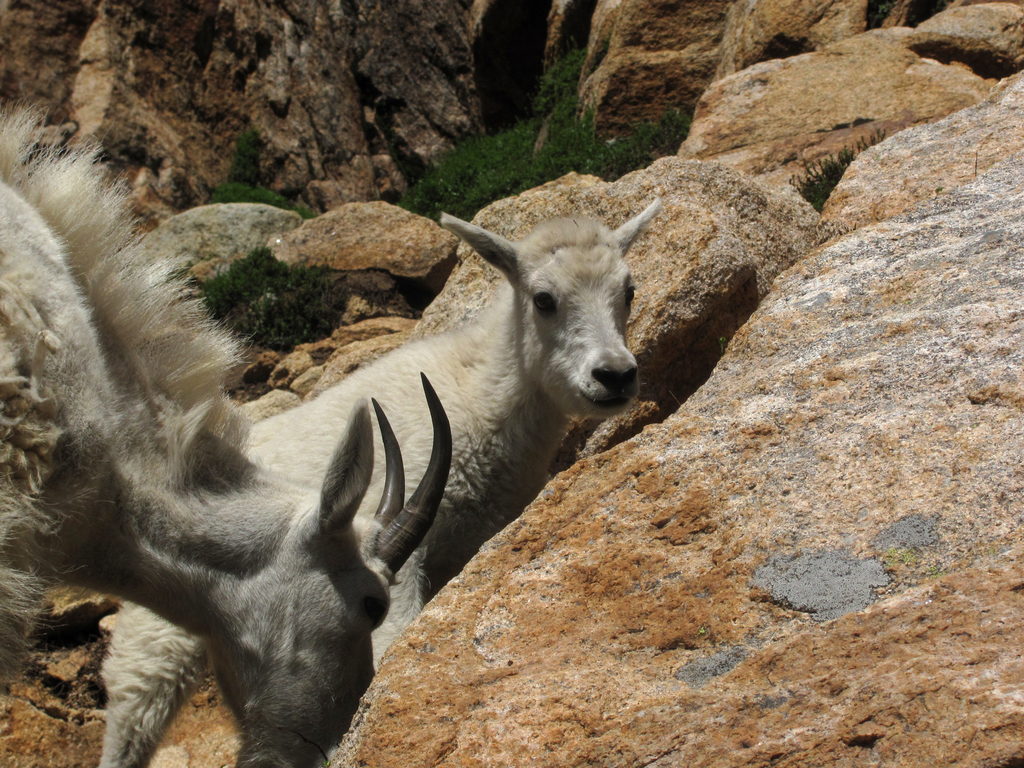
(297, 655)
(294, 654)
(573, 292)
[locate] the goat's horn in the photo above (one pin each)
(407, 529)
(394, 473)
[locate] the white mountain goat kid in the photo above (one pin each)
(121, 469)
(549, 346)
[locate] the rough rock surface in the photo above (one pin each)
(569, 23)
(373, 235)
(53, 716)
(40, 42)
(340, 93)
(353, 356)
(509, 38)
(208, 238)
(72, 610)
(774, 29)
(700, 269)
(772, 117)
(272, 403)
(880, 379)
(318, 353)
(988, 37)
(648, 56)
(929, 160)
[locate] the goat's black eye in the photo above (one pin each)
(630, 293)
(544, 302)
(375, 608)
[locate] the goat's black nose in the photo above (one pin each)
(616, 381)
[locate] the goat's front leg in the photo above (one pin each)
(151, 670)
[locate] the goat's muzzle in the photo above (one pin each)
(403, 527)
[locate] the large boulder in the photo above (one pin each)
(696, 595)
(207, 239)
(373, 235)
(700, 269)
(774, 29)
(646, 56)
(988, 37)
(929, 160)
(772, 118)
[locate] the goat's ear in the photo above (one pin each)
(626, 234)
(495, 248)
(348, 474)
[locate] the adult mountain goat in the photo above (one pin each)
(121, 469)
(549, 346)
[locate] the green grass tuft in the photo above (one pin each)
(549, 143)
(820, 177)
(274, 304)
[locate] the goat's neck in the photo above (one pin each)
(522, 410)
(173, 553)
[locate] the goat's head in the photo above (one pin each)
(573, 292)
(295, 655)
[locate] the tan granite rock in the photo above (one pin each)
(929, 160)
(647, 56)
(775, 29)
(355, 355)
(74, 609)
(773, 117)
(373, 235)
(317, 353)
(987, 37)
(702, 594)
(700, 269)
(26, 731)
(272, 403)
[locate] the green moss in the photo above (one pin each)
(551, 142)
(274, 304)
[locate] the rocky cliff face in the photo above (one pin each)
(342, 94)
(802, 547)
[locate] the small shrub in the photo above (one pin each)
(549, 143)
(821, 176)
(274, 304)
(245, 164)
(878, 10)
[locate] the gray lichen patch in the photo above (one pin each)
(824, 583)
(910, 532)
(699, 671)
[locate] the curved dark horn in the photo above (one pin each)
(394, 472)
(405, 532)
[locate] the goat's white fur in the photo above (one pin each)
(121, 469)
(509, 379)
